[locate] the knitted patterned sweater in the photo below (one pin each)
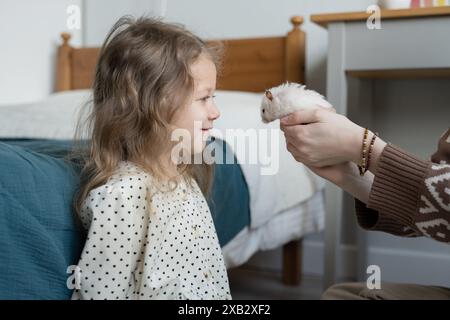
(410, 197)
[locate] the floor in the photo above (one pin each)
(249, 283)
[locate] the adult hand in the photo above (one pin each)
(320, 138)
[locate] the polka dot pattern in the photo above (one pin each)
(145, 242)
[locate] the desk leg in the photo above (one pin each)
(333, 200)
(337, 95)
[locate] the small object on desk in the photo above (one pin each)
(415, 3)
(441, 3)
(287, 98)
(397, 4)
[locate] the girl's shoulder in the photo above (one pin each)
(128, 178)
(129, 171)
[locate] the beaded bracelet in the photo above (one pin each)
(362, 165)
(372, 142)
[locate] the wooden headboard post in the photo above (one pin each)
(64, 65)
(295, 52)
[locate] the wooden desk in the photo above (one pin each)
(412, 43)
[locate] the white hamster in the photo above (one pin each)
(287, 98)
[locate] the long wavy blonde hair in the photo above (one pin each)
(142, 78)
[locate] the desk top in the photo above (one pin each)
(324, 19)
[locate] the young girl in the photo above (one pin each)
(150, 232)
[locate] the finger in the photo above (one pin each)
(289, 131)
(290, 145)
(302, 117)
(293, 151)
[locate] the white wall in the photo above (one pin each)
(29, 35)
(102, 14)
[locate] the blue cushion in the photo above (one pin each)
(38, 237)
(229, 201)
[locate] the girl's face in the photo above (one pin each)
(198, 115)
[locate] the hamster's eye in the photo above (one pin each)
(264, 110)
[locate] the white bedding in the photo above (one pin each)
(52, 118)
(277, 202)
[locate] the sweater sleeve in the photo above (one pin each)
(409, 197)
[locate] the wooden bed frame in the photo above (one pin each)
(249, 65)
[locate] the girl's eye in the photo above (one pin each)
(204, 99)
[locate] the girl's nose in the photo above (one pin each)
(214, 112)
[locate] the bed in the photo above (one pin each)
(261, 219)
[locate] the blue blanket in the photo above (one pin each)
(38, 235)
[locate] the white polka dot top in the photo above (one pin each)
(144, 243)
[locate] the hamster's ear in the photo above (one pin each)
(269, 95)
